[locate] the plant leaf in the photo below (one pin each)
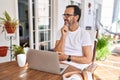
(2, 19)
(7, 16)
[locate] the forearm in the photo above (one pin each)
(60, 45)
(77, 59)
(81, 59)
(87, 56)
(85, 59)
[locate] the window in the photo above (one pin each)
(43, 24)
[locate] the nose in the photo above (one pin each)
(65, 17)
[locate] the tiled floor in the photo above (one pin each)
(109, 69)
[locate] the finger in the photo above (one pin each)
(61, 62)
(58, 52)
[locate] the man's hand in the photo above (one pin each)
(65, 29)
(62, 56)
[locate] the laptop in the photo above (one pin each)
(46, 61)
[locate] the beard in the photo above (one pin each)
(69, 23)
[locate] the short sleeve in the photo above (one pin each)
(86, 40)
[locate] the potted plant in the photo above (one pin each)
(20, 55)
(17, 50)
(8, 23)
(103, 45)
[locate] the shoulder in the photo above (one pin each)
(83, 31)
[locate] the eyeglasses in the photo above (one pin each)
(68, 15)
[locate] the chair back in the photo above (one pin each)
(95, 45)
(94, 37)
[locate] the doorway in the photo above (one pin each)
(23, 18)
(35, 23)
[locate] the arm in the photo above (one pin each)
(59, 45)
(86, 50)
(85, 59)
(87, 55)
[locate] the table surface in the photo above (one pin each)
(11, 71)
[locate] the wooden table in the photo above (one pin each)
(11, 71)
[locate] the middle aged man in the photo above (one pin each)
(73, 42)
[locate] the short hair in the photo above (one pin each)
(77, 10)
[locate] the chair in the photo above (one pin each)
(93, 66)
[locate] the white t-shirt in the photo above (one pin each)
(73, 45)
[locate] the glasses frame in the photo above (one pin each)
(68, 15)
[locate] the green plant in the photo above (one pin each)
(102, 50)
(17, 50)
(8, 21)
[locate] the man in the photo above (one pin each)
(73, 43)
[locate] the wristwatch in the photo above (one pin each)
(69, 58)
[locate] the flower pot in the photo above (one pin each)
(10, 30)
(3, 51)
(21, 59)
(10, 27)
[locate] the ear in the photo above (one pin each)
(76, 17)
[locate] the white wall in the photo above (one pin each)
(88, 16)
(107, 12)
(11, 7)
(99, 1)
